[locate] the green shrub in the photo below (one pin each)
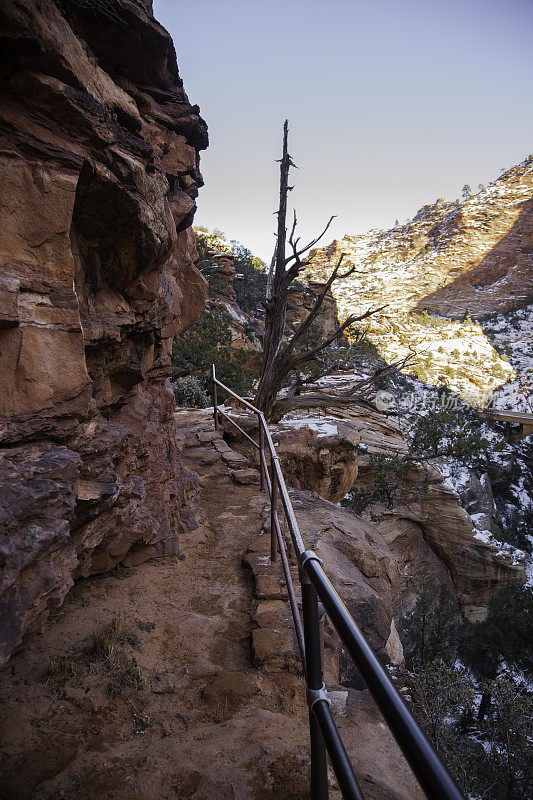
(504, 637)
(391, 485)
(189, 392)
(454, 432)
(476, 713)
(430, 630)
(251, 287)
(207, 342)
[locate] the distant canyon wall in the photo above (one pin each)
(99, 164)
(452, 259)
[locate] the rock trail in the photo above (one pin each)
(220, 711)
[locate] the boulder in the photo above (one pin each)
(301, 301)
(359, 563)
(478, 568)
(315, 453)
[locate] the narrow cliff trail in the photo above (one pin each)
(212, 705)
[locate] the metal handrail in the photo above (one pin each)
(431, 773)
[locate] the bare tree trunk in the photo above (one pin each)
(280, 358)
(484, 705)
(277, 303)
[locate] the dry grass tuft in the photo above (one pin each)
(107, 644)
(61, 667)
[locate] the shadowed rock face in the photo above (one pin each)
(99, 172)
(501, 281)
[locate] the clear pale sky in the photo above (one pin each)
(391, 104)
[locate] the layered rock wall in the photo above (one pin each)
(246, 331)
(99, 173)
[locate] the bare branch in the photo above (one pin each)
(293, 361)
(297, 253)
(293, 229)
(397, 501)
(284, 405)
(378, 374)
(304, 326)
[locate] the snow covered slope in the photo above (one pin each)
(473, 256)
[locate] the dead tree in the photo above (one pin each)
(280, 357)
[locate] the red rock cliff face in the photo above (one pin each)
(99, 171)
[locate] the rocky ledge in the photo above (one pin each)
(432, 539)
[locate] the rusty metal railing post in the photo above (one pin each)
(274, 502)
(215, 403)
(261, 453)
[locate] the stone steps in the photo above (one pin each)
(273, 642)
(274, 645)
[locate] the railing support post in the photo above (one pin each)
(322, 624)
(261, 453)
(215, 403)
(274, 502)
(313, 667)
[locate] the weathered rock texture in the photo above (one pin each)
(246, 331)
(301, 301)
(219, 710)
(432, 540)
(99, 171)
(318, 454)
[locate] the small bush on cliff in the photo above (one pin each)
(454, 431)
(479, 717)
(391, 486)
(443, 431)
(489, 755)
(207, 342)
(503, 640)
(250, 279)
(433, 629)
(189, 392)
(430, 630)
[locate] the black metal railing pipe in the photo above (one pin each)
(339, 758)
(426, 765)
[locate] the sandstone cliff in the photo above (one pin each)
(246, 331)
(100, 168)
(247, 328)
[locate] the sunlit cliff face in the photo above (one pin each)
(453, 260)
